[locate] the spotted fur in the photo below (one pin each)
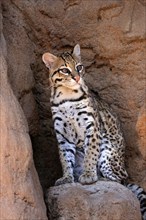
(89, 138)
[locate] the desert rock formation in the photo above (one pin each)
(21, 192)
(112, 36)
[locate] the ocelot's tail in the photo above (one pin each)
(141, 195)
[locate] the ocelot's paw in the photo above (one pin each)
(88, 177)
(64, 179)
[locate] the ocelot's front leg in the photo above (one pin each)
(92, 142)
(67, 157)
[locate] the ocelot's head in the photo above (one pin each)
(65, 70)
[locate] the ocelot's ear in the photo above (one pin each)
(77, 52)
(49, 59)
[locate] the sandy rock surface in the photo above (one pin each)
(21, 195)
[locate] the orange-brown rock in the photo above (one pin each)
(141, 130)
(20, 190)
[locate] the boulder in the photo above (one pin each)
(21, 193)
(100, 201)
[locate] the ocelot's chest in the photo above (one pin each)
(73, 120)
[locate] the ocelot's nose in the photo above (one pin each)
(77, 78)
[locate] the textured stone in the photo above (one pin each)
(20, 56)
(112, 38)
(21, 193)
(141, 130)
(100, 201)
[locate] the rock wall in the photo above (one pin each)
(21, 193)
(112, 38)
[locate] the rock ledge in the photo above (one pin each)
(100, 201)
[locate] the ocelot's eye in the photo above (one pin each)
(65, 71)
(79, 68)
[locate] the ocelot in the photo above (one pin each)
(88, 133)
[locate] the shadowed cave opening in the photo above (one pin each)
(45, 150)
